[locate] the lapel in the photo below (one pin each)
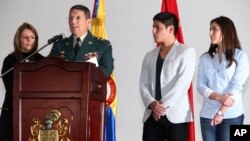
(169, 57)
(172, 50)
(68, 48)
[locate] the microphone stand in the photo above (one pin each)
(26, 59)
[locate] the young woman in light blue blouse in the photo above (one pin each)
(222, 73)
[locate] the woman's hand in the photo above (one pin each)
(216, 120)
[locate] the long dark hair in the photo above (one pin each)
(17, 49)
(230, 40)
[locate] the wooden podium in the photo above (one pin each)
(56, 100)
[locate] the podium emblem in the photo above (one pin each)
(48, 135)
(55, 128)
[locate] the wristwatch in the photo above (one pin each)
(220, 113)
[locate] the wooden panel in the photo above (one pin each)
(54, 79)
(96, 120)
(51, 87)
(40, 108)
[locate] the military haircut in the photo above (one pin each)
(82, 8)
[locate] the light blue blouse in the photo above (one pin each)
(216, 77)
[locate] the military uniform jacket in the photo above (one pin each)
(91, 44)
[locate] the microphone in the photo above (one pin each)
(56, 38)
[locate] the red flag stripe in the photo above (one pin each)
(171, 6)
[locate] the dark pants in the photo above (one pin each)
(163, 129)
(6, 126)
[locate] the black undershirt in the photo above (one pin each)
(159, 65)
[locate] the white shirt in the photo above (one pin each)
(176, 76)
(216, 77)
(81, 39)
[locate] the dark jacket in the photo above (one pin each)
(90, 44)
(6, 119)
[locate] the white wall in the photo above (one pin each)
(129, 25)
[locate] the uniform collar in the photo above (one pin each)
(81, 37)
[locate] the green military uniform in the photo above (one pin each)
(101, 47)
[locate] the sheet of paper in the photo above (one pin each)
(93, 60)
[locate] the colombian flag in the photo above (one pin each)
(98, 30)
(171, 6)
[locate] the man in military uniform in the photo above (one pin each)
(82, 45)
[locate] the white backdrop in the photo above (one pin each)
(128, 25)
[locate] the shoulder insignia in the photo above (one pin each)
(98, 38)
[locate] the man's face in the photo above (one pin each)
(160, 32)
(78, 23)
